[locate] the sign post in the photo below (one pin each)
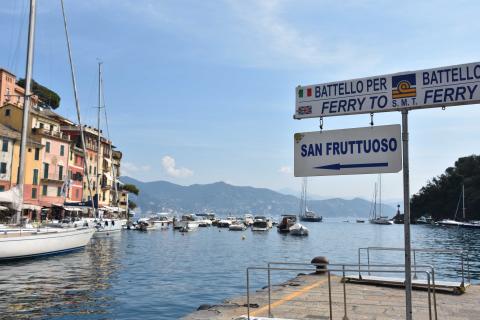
(406, 217)
(438, 87)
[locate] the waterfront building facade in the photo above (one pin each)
(55, 163)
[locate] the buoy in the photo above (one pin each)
(320, 263)
(243, 237)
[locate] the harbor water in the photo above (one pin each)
(165, 274)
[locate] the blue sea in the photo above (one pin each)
(165, 274)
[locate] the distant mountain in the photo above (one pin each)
(223, 199)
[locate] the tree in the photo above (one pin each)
(131, 205)
(441, 196)
(47, 97)
(131, 188)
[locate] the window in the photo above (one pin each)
(45, 170)
(62, 150)
(60, 172)
(47, 146)
(34, 193)
(2, 188)
(59, 191)
(95, 170)
(3, 167)
(90, 169)
(71, 155)
(37, 153)
(103, 196)
(44, 190)
(5, 145)
(35, 176)
(41, 125)
(7, 113)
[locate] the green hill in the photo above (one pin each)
(440, 197)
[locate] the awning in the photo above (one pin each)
(74, 209)
(10, 196)
(108, 176)
(26, 206)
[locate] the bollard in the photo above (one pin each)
(320, 263)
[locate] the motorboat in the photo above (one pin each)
(360, 221)
(225, 223)
(237, 226)
(286, 222)
(248, 218)
(260, 225)
(298, 230)
(151, 223)
(204, 223)
(189, 226)
(26, 243)
(424, 220)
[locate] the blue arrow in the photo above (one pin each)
(338, 166)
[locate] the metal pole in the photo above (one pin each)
(98, 132)
(330, 296)
(406, 207)
(269, 293)
(248, 296)
(26, 106)
(345, 317)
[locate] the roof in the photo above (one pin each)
(8, 132)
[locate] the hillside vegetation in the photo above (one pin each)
(440, 197)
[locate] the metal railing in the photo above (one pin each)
(463, 255)
(343, 268)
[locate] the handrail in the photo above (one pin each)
(342, 268)
(462, 253)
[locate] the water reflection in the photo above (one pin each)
(58, 285)
(166, 274)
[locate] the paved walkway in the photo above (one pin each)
(306, 297)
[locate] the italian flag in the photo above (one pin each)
(308, 92)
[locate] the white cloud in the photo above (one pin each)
(285, 170)
(129, 169)
(169, 165)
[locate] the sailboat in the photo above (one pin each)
(455, 222)
(305, 214)
(21, 242)
(373, 214)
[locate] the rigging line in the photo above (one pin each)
(15, 57)
(77, 105)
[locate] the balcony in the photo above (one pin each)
(50, 133)
(54, 179)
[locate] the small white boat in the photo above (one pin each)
(225, 223)
(189, 226)
(298, 230)
(26, 243)
(101, 226)
(449, 223)
(237, 226)
(424, 220)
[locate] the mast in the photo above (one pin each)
(77, 106)
(375, 203)
(380, 194)
(98, 132)
(463, 201)
(26, 106)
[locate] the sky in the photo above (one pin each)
(203, 91)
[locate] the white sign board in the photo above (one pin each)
(348, 151)
(445, 86)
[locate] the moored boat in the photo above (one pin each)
(26, 243)
(286, 222)
(298, 230)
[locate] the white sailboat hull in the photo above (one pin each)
(16, 245)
